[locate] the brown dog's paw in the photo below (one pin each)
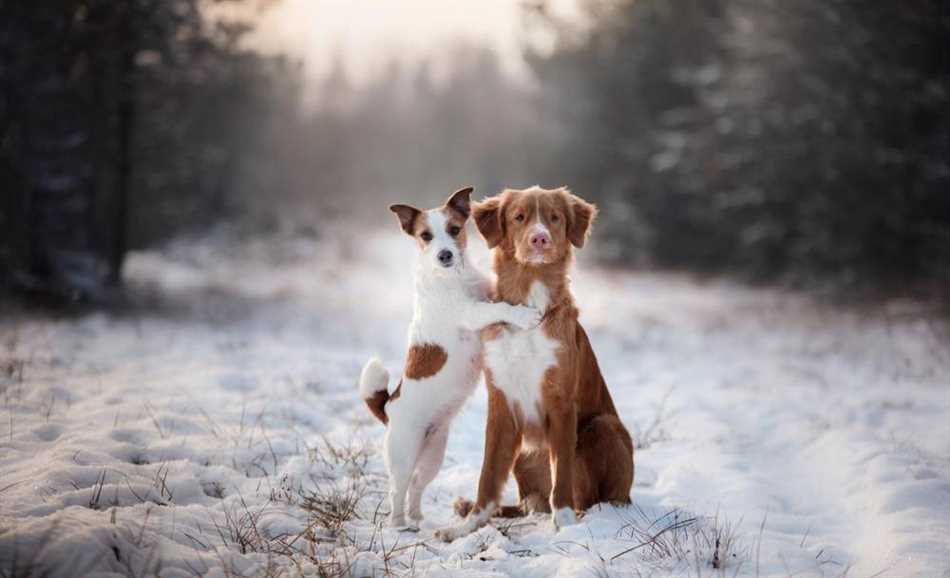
(463, 507)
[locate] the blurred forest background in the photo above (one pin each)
(796, 141)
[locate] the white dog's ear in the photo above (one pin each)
(407, 217)
(460, 202)
(490, 219)
(582, 217)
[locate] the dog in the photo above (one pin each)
(444, 362)
(551, 419)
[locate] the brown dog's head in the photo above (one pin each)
(537, 225)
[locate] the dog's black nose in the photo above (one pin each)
(445, 257)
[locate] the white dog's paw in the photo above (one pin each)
(563, 517)
(525, 317)
(475, 520)
(416, 515)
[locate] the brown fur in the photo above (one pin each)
(424, 361)
(377, 403)
(407, 216)
(581, 440)
(459, 203)
(454, 220)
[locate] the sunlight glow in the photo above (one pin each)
(365, 36)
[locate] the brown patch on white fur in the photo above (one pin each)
(581, 454)
(460, 203)
(419, 227)
(414, 223)
(457, 209)
(424, 361)
(377, 405)
(407, 216)
(454, 220)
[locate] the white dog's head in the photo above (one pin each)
(440, 232)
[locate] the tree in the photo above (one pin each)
(121, 123)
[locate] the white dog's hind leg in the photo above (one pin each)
(403, 445)
(430, 461)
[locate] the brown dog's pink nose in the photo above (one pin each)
(539, 240)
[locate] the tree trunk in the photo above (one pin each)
(126, 118)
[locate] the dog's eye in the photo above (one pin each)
(426, 236)
(555, 218)
(519, 217)
(454, 230)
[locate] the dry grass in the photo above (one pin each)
(655, 431)
(352, 457)
(95, 501)
(328, 502)
(678, 539)
(241, 530)
(330, 506)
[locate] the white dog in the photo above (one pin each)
(444, 360)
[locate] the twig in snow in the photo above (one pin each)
(758, 542)
(155, 422)
(654, 432)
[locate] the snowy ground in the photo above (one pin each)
(214, 429)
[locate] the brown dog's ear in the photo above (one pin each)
(407, 217)
(460, 202)
(582, 217)
(490, 220)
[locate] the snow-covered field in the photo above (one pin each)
(214, 429)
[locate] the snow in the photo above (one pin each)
(215, 428)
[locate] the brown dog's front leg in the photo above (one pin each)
(502, 441)
(562, 434)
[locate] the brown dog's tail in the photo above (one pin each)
(373, 383)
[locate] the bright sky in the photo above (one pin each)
(366, 34)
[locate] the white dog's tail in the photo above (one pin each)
(373, 383)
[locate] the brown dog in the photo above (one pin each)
(549, 412)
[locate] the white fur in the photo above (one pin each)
(373, 378)
(441, 240)
(535, 256)
(449, 311)
(539, 227)
(518, 360)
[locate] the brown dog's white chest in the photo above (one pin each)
(518, 360)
